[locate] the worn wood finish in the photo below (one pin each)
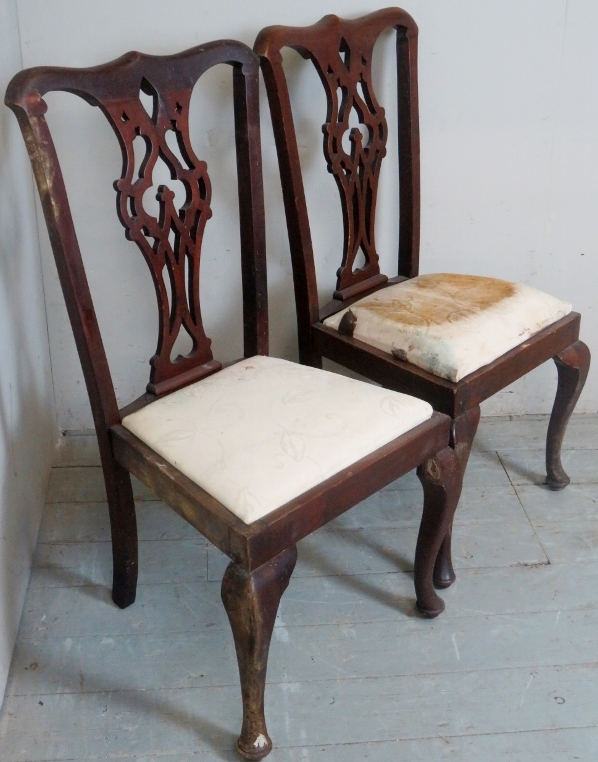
(341, 52)
(439, 477)
(171, 243)
(463, 431)
(263, 553)
(251, 601)
(251, 545)
(572, 365)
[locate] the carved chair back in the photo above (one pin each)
(341, 51)
(170, 241)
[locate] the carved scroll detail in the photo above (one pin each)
(170, 242)
(354, 156)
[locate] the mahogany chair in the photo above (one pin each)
(453, 340)
(256, 455)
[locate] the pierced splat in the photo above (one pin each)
(355, 135)
(355, 138)
(170, 239)
(163, 201)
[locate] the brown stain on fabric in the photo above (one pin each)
(440, 298)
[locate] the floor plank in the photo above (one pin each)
(529, 432)
(90, 563)
(300, 714)
(304, 653)
(527, 466)
(579, 502)
(89, 522)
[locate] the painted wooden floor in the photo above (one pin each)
(508, 672)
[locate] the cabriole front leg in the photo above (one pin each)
(572, 365)
(463, 431)
(441, 478)
(251, 601)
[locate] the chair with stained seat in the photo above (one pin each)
(256, 455)
(453, 340)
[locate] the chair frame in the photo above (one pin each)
(262, 554)
(341, 51)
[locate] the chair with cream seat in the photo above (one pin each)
(256, 455)
(453, 340)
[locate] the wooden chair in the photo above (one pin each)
(256, 455)
(453, 340)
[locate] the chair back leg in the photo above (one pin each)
(123, 528)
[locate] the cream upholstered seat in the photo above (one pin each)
(451, 325)
(263, 431)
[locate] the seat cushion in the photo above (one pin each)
(263, 431)
(451, 325)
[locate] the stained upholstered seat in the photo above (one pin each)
(447, 324)
(449, 339)
(264, 430)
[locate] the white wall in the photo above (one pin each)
(27, 420)
(509, 123)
